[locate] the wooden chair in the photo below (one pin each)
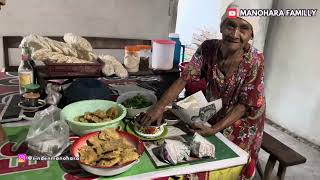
(278, 152)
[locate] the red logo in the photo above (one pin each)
(232, 13)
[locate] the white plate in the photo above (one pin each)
(171, 122)
(108, 171)
(41, 103)
(150, 135)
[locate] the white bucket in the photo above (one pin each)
(162, 54)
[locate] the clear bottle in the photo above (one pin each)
(25, 70)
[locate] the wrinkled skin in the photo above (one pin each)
(236, 34)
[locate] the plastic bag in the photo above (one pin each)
(48, 135)
(54, 96)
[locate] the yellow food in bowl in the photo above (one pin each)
(107, 149)
(98, 116)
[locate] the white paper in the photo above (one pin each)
(196, 108)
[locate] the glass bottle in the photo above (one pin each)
(25, 70)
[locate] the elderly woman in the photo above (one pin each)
(234, 72)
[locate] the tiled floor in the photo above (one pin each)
(308, 171)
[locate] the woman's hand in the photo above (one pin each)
(154, 114)
(202, 129)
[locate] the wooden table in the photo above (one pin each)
(226, 165)
(228, 168)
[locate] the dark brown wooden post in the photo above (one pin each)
(269, 167)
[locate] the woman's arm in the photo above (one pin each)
(172, 93)
(235, 114)
(191, 72)
(155, 113)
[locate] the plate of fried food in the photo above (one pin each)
(88, 116)
(108, 152)
(98, 116)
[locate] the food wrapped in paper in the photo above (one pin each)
(196, 108)
(174, 151)
(200, 147)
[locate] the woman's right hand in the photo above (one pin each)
(154, 114)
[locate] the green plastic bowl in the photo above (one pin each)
(73, 110)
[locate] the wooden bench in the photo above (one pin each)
(278, 152)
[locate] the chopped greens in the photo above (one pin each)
(137, 102)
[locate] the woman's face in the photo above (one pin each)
(235, 33)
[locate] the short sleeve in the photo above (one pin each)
(252, 91)
(192, 71)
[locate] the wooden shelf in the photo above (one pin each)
(154, 72)
(41, 70)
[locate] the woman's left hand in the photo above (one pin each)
(202, 129)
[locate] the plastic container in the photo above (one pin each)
(132, 58)
(178, 58)
(162, 54)
(145, 57)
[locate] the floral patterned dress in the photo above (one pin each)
(245, 86)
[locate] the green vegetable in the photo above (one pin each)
(137, 102)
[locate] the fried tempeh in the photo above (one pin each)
(111, 155)
(107, 163)
(87, 154)
(128, 156)
(108, 149)
(110, 145)
(109, 134)
(124, 144)
(112, 112)
(95, 141)
(92, 117)
(101, 114)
